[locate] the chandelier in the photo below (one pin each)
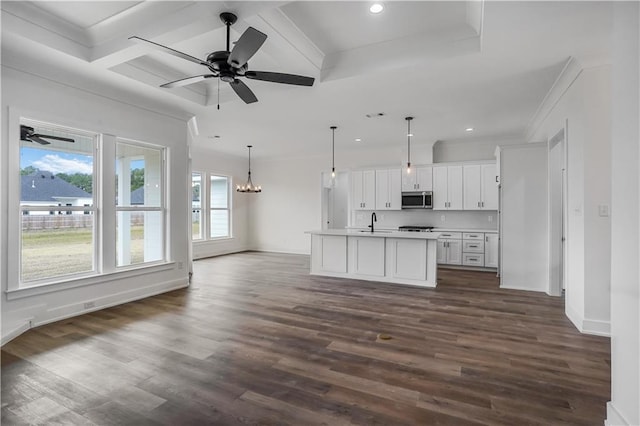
(249, 186)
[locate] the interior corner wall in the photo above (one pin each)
(206, 160)
(290, 203)
(624, 408)
(94, 112)
(586, 107)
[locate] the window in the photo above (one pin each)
(219, 226)
(60, 174)
(140, 203)
(196, 206)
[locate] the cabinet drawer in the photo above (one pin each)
(473, 259)
(473, 246)
(451, 235)
(473, 236)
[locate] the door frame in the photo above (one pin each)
(561, 137)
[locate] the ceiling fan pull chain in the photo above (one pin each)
(218, 93)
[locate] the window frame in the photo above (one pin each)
(162, 208)
(104, 213)
(228, 209)
(16, 209)
(203, 198)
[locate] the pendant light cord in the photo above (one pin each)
(333, 150)
(408, 142)
(218, 93)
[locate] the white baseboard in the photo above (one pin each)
(588, 326)
(267, 250)
(513, 287)
(78, 308)
(614, 418)
(15, 330)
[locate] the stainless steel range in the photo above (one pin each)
(415, 228)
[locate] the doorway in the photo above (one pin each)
(334, 201)
(557, 211)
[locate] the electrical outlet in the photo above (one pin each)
(490, 218)
(382, 217)
(603, 210)
(180, 265)
(442, 218)
(89, 305)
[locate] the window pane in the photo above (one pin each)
(196, 214)
(219, 192)
(219, 223)
(138, 175)
(55, 245)
(56, 173)
(139, 237)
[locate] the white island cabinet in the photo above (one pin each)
(388, 256)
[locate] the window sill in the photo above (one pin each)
(212, 240)
(20, 293)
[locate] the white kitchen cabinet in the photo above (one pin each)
(449, 252)
(388, 189)
(363, 189)
(491, 250)
(331, 254)
(420, 179)
(447, 188)
(480, 188)
(366, 256)
(407, 259)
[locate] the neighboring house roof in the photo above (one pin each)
(44, 186)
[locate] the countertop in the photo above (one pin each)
(380, 234)
(489, 231)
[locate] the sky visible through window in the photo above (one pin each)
(61, 162)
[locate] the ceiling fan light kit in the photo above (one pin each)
(230, 65)
(249, 186)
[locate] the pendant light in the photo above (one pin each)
(409, 143)
(333, 152)
(249, 186)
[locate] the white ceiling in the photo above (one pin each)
(451, 65)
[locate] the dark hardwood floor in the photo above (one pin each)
(256, 340)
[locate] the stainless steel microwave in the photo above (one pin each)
(417, 200)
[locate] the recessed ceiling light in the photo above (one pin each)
(469, 129)
(358, 140)
(376, 8)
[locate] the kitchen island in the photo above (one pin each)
(387, 256)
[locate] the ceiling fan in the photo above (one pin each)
(228, 65)
(28, 134)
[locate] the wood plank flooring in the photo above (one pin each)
(256, 340)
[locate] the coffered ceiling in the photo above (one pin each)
(451, 65)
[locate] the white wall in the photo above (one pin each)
(470, 149)
(585, 106)
(207, 160)
(84, 109)
(624, 408)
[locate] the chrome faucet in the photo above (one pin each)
(373, 219)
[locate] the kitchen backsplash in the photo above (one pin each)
(452, 219)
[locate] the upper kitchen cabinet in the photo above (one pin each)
(480, 187)
(420, 179)
(447, 187)
(363, 189)
(388, 195)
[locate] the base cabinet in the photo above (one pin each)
(407, 259)
(450, 252)
(330, 254)
(491, 244)
(367, 256)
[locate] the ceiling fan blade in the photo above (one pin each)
(169, 50)
(246, 46)
(188, 80)
(55, 138)
(37, 139)
(276, 77)
(243, 91)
